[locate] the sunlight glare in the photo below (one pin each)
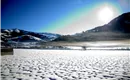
(105, 14)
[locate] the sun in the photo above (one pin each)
(105, 14)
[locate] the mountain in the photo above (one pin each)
(17, 35)
(119, 24)
(116, 29)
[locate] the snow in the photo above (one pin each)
(39, 64)
(1, 41)
(2, 33)
(10, 30)
(17, 30)
(6, 30)
(8, 35)
(31, 37)
(36, 38)
(50, 35)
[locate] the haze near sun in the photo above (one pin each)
(105, 14)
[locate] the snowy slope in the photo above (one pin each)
(23, 36)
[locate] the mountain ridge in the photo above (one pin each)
(25, 36)
(118, 24)
(116, 29)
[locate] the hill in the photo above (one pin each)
(17, 35)
(116, 29)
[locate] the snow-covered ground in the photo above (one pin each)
(30, 64)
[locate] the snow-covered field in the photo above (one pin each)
(30, 64)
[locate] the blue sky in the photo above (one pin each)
(53, 15)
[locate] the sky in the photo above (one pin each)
(60, 16)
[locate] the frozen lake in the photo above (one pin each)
(32, 64)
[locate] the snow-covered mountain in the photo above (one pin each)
(18, 35)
